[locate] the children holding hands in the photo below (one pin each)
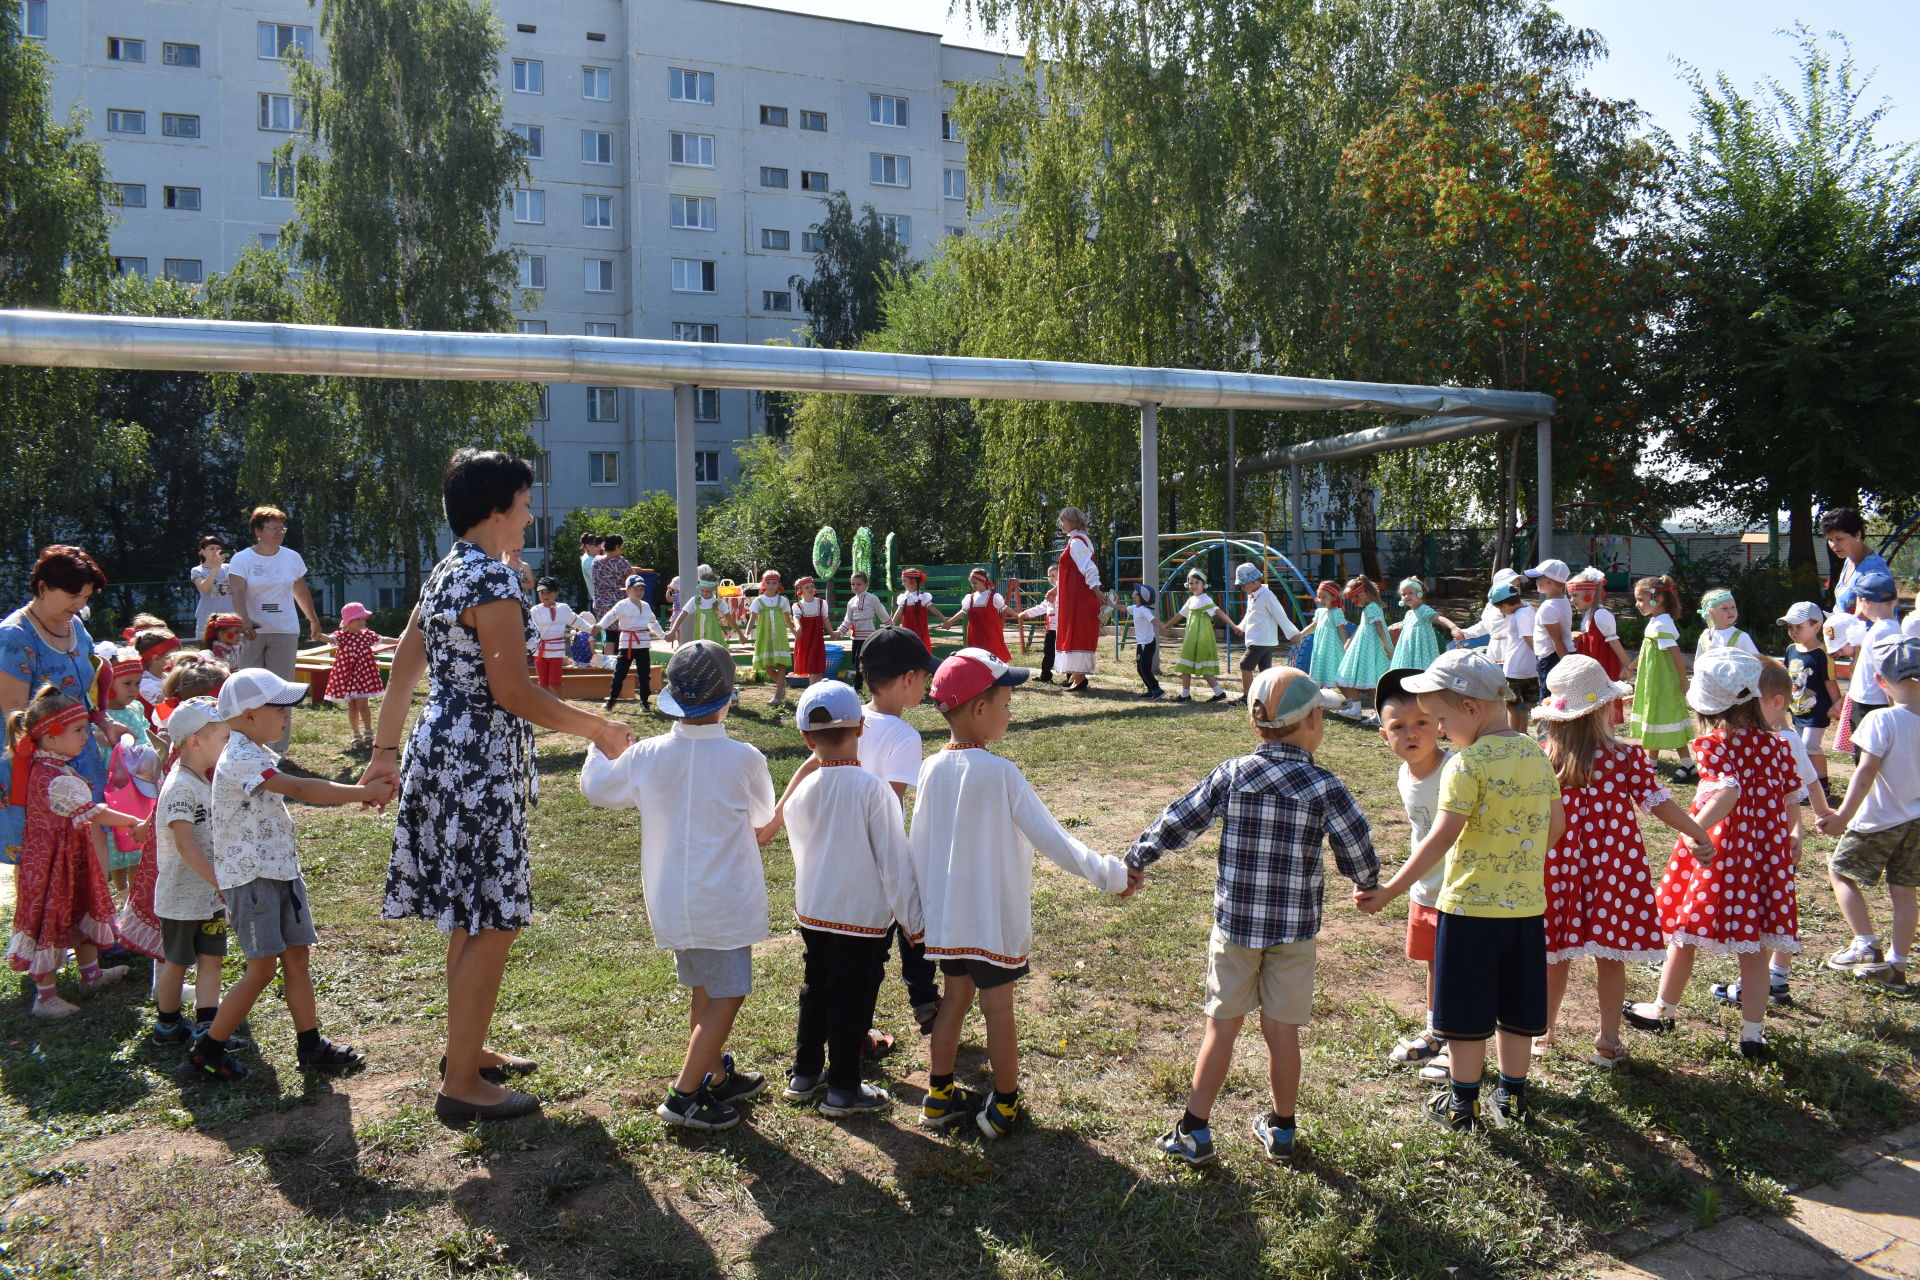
(1199, 651)
(1146, 640)
(1263, 624)
(186, 893)
(630, 624)
(1412, 733)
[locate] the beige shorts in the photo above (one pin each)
(1277, 980)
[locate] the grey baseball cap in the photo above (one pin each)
(698, 680)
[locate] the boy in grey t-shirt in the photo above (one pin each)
(1414, 736)
(186, 900)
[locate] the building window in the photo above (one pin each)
(529, 76)
(596, 211)
(774, 116)
(183, 198)
(277, 40)
(596, 84)
(542, 466)
(535, 138)
(815, 121)
(597, 37)
(533, 272)
(530, 326)
(130, 267)
(179, 55)
(773, 238)
(596, 147)
(121, 49)
(888, 171)
(953, 184)
(537, 533)
(691, 213)
(812, 242)
(128, 195)
(185, 270)
(386, 597)
(898, 226)
(603, 468)
(706, 405)
(599, 275)
(813, 180)
(173, 125)
(269, 240)
(33, 19)
(771, 177)
(706, 464)
(542, 405)
(691, 275)
(955, 233)
(276, 181)
(690, 86)
(602, 329)
(776, 300)
(282, 112)
(119, 121)
(694, 331)
(603, 405)
(694, 149)
(529, 205)
(891, 112)
(949, 131)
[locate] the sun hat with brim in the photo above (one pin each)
(1723, 678)
(1246, 573)
(968, 673)
(190, 717)
(698, 681)
(1289, 705)
(253, 687)
(1803, 611)
(353, 610)
(1578, 685)
(1464, 672)
(836, 699)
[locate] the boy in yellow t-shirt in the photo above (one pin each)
(1500, 812)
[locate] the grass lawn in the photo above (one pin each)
(109, 1167)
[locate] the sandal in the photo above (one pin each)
(332, 1059)
(878, 1044)
(1658, 1023)
(1604, 1060)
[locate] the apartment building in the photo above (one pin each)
(678, 150)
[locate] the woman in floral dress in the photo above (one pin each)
(467, 778)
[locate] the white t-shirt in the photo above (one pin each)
(1724, 638)
(1893, 734)
(1877, 637)
(1553, 609)
(1266, 619)
(889, 748)
(1493, 625)
(1522, 662)
(1421, 799)
(178, 891)
(1144, 633)
(635, 622)
(1802, 763)
(252, 830)
(270, 603)
(1911, 627)
(850, 869)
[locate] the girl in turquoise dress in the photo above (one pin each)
(1328, 630)
(1366, 657)
(1417, 646)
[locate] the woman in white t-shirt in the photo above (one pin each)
(209, 579)
(269, 582)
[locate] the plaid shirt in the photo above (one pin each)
(1279, 807)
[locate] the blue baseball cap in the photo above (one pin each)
(1503, 592)
(828, 704)
(635, 580)
(1876, 586)
(698, 680)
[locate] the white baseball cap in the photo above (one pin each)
(190, 717)
(1723, 678)
(252, 687)
(1555, 569)
(837, 699)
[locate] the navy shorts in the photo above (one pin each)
(1489, 974)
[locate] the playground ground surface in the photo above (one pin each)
(110, 1168)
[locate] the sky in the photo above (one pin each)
(1644, 38)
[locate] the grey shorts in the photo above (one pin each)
(268, 916)
(724, 974)
(183, 942)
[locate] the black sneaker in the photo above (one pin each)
(1755, 1050)
(1512, 1108)
(738, 1085)
(331, 1059)
(697, 1110)
(204, 1062)
(1461, 1117)
(944, 1107)
(170, 1033)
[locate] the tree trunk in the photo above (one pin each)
(1509, 479)
(1366, 521)
(1800, 562)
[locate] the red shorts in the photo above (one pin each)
(1422, 924)
(546, 671)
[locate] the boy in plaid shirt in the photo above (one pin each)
(1279, 808)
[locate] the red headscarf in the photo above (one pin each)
(64, 718)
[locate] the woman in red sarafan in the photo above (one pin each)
(1077, 629)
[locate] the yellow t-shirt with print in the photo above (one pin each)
(1505, 789)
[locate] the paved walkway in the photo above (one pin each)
(1866, 1225)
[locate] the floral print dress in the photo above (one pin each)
(467, 780)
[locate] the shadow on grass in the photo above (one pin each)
(61, 1071)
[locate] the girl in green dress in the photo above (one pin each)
(1416, 645)
(1199, 652)
(1659, 717)
(772, 634)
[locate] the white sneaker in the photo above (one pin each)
(54, 1007)
(1857, 955)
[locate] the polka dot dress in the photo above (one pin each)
(1600, 898)
(355, 673)
(1745, 901)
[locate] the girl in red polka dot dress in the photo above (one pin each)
(355, 679)
(1735, 895)
(1600, 898)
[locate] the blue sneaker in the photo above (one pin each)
(1196, 1148)
(1275, 1141)
(180, 1032)
(997, 1119)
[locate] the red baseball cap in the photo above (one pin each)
(969, 673)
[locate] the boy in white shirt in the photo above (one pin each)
(850, 879)
(1048, 608)
(552, 623)
(1881, 820)
(865, 615)
(1146, 640)
(1553, 620)
(1263, 624)
(1875, 599)
(633, 621)
(702, 796)
(976, 824)
(1413, 734)
(186, 894)
(1518, 661)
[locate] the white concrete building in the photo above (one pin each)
(678, 149)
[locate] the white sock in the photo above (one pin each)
(1779, 973)
(1429, 1019)
(1752, 1031)
(1897, 960)
(1867, 939)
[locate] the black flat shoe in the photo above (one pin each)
(1642, 1022)
(499, 1074)
(456, 1114)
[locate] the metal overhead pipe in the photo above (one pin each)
(1398, 435)
(144, 342)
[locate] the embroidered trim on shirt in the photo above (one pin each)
(835, 926)
(965, 746)
(975, 953)
(828, 764)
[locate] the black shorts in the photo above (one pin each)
(183, 942)
(1489, 974)
(985, 976)
(1257, 657)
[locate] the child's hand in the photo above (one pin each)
(1702, 850)
(141, 830)
(766, 834)
(1370, 900)
(1830, 824)
(1136, 880)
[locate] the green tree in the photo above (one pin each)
(1787, 370)
(857, 261)
(398, 190)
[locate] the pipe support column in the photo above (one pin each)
(1149, 495)
(685, 495)
(1543, 487)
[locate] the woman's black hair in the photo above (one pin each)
(480, 483)
(548, 584)
(211, 540)
(1843, 520)
(613, 542)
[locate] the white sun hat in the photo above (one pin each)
(1578, 685)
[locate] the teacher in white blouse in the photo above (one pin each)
(269, 581)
